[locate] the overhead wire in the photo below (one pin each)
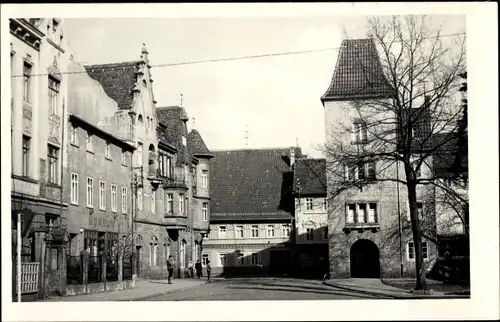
(225, 59)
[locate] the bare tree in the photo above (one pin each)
(397, 135)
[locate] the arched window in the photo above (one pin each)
(151, 148)
(153, 252)
(144, 83)
(139, 118)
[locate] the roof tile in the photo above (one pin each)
(310, 177)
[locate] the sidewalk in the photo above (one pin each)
(143, 290)
(377, 287)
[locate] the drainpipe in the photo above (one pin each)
(399, 222)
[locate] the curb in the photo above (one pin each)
(146, 297)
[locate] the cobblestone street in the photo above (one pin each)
(260, 289)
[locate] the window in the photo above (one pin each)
(114, 192)
(222, 258)
(351, 210)
(139, 154)
(420, 210)
(170, 203)
(153, 250)
(53, 96)
(370, 169)
(184, 141)
(161, 164)
(255, 231)
(186, 205)
(124, 158)
(411, 251)
(325, 232)
(285, 230)
(124, 200)
(325, 204)
(89, 143)
(309, 234)
(54, 256)
(102, 195)
(52, 155)
(361, 172)
(181, 204)
(222, 232)
(239, 231)
(74, 135)
(204, 259)
(309, 204)
(350, 171)
(153, 201)
(270, 231)
(360, 132)
(90, 192)
(74, 188)
(26, 155)
(241, 259)
(107, 151)
(361, 213)
(255, 259)
(170, 169)
(204, 211)
(372, 213)
(204, 178)
(418, 172)
(139, 198)
(193, 174)
(27, 82)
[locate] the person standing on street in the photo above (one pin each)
(170, 268)
(209, 269)
(198, 269)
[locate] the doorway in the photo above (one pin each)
(365, 261)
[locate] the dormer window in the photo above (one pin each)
(55, 24)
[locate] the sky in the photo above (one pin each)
(255, 103)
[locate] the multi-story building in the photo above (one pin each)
(184, 163)
(129, 84)
(363, 223)
(39, 57)
(311, 219)
(97, 175)
(251, 207)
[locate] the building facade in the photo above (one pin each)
(364, 238)
(311, 219)
(251, 205)
(39, 87)
(97, 176)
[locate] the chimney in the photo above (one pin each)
(292, 157)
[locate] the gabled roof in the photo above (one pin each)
(358, 73)
(173, 118)
(310, 177)
(446, 151)
(250, 181)
(196, 145)
(117, 79)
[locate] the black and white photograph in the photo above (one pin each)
(245, 159)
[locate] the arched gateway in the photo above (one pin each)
(365, 261)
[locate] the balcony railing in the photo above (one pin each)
(177, 181)
(361, 226)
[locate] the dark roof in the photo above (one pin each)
(446, 151)
(117, 79)
(311, 174)
(196, 145)
(358, 73)
(250, 181)
(173, 118)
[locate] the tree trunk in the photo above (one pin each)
(421, 283)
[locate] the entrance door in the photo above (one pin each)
(365, 261)
(279, 261)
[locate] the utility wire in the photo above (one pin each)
(215, 60)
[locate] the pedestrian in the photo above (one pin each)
(190, 270)
(198, 269)
(170, 268)
(209, 269)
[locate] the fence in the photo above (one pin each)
(94, 269)
(29, 278)
(74, 272)
(112, 269)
